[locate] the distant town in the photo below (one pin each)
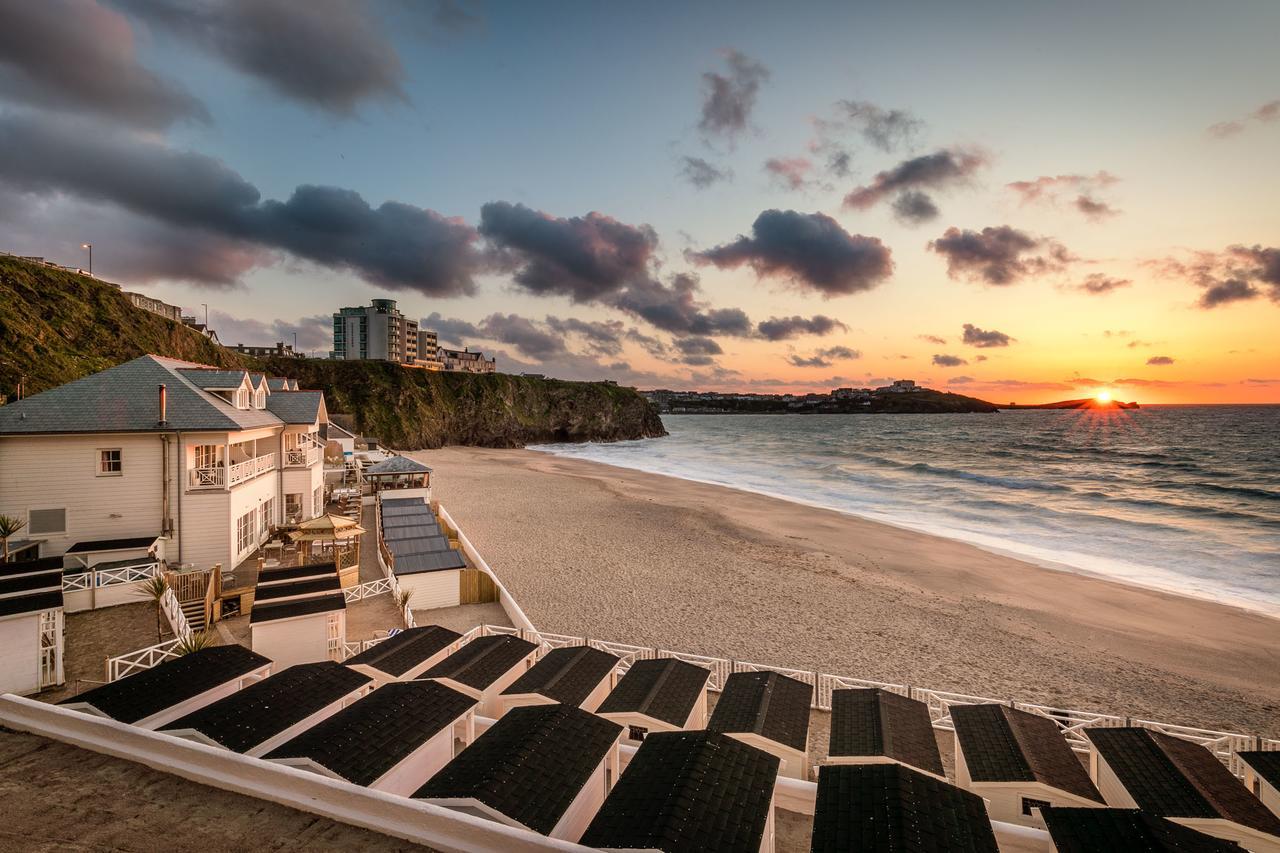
(902, 395)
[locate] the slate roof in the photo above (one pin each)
(401, 506)
(879, 722)
(1265, 764)
(366, 739)
(892, 807)
(1003, 744)
(138, 696)
(123, 399)
(421, 545)
(688, 791)
(412, 520)
(211, 378)
(266, 708)
(1172, 777)
(663, 688)
(296, 407)
(482, 661)
(426, 539)
(530, 765)
(301, 587)
(125, 544)
(565, 675)
(1086, 830)
(434, 561)
(279, 383)
(397, 655)
(766, 703)
(297, 607)
(398, 465)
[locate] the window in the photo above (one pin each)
(109, 463)
(207, 455)
(293, 507)
(260, 399)
(1028, 804)
(242, 399)
(268, 510)
(317, 500)
(637, 732)
(608, 780)
(42, 521)
(244, 532)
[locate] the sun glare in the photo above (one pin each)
(1103, 396)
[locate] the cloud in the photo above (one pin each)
(328, 54)
(1237, 274)
(1051, 189)
(933, 339)
(914, 207)
(792, 173)
(394, 245)
(1094, 210)
(603, 337)
(1264, 114)
(675, 308)
(79, 55)
(697, 351)
(784, 328)
(984, 338)
(1227, 291)
(314, 333)
(521, 333)
(825, 357)
(1097, 284)
(948, 360)
(703, 174)
(729, 98)
(940, 169)
(999, 255)
(1160, 360)
(885, 129)
(809, 250)
(450, 330)
(960, 380)
(648, 343)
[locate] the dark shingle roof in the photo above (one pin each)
(530, 765)
(289, 573)
(124, 544)
(297, 607)
(663, 688)
(266, 708)
(482, 661)
(36, 602)
(26, 567)
(1003, 744)
(434, 561)
(411, 519)
(401, 653)
(123, 399)
(565, 675)
(1086, 830)
(767, 703)
(398, 465)
(296, 407)
(271, 592)
(366, 739)
(404, 506)
(688, 791)
(418, 540)
(166, 684)
(1265, 764)
(894, 808)
(880, 722)
(1172, 777)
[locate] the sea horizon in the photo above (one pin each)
(1119, 506)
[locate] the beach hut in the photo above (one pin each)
(875, 726)
(686, 791)
(1019, 761)
(1084, 830)
(174, 688)
(392, 740)
(575, 675)
(31, 622)
(770, 711)
(1174, 778)
(1262, 776)
(542, 767)
(409, 477)
(267, 713)
(658, 695)
(484, 667)
(299, 615)
(893, 807)
(406, 655)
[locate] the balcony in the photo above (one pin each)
(224, 476)
(302, 457)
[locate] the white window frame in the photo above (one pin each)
(102, 451)
(245, 531)
(65, 523)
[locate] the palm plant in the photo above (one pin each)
(402, 598)
(9, 526)
(193, 642)
(154, 588)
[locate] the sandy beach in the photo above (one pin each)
(590, 549)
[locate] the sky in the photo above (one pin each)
(1022, 202)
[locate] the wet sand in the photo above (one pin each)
(590, 549)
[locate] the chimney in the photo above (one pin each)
(163, 398)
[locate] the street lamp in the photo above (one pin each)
(89, 246)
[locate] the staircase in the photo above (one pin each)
(196, 592)
(194, 611)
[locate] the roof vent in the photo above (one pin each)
(163, 400)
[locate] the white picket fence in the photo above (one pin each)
(98, 578)
(140, 659)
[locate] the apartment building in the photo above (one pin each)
(197, 461)
(429, 349)
(377, 331)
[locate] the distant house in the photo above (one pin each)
(658, 695)
(466, 361)
(31, 625)
(202, 328)
(279, 350)
(769, 711)
(155, 306)
(205, 460)
(575, 675)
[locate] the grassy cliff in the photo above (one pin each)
(56, 326)
(414, 409)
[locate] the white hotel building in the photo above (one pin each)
(195, 461)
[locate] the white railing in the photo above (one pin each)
(131, 662)
(173, 612)
(367, 590)
(99, 578)
(302, 456)
(214, 476)
(217, 476)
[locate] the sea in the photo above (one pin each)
(1179, 498)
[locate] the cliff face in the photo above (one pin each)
(56, 326)
(412, 409)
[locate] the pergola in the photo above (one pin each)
(397, 472)
(337, 529)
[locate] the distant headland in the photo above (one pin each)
(901, 397)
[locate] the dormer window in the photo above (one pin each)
(242, 399)
(260, 399)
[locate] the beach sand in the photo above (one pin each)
(605, 552)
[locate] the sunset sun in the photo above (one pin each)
(1103, 396)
